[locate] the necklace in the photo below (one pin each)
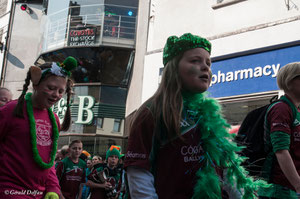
(32, 125)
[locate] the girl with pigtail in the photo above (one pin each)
(179, 145)
(29, 131)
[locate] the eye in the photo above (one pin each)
(208, 62)
(61, 91)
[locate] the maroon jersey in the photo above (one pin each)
(70, 176)
(176, 162)
(280, 118)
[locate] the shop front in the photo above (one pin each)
(245, 81)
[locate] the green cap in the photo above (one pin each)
(176, 45)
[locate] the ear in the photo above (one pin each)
(36, 74)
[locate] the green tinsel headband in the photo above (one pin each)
(62, 69)
(176, 45)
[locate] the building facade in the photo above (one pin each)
(101, 35)
(119, 45)
(251, 41)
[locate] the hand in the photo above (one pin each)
(51, 195)
(107, 185)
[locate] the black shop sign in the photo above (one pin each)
(83, 37)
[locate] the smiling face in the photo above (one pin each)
(194, 70)
(49, 91)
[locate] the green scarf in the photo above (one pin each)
(220, 151)
(32, 125)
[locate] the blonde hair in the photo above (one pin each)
(286, 74)
(166, 103)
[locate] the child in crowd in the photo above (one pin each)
(5, 96)
(86, 189)
(179, 143)
(71, 171)
(104, 180)
(282, 165)
(29, 131)
(97, 159)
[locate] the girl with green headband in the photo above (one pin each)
(29, 132)
(179, 145)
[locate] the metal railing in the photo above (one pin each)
(96, 27)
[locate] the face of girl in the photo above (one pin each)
(89, 164)
(49, 91)
(194, 70)
(96, 160)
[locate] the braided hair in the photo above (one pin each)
(18, 111)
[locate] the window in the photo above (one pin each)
(117, 125)
(99, 122)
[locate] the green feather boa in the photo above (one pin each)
(220, 151)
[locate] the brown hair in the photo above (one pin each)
(166, 103)
(18, 111)
(73, 142)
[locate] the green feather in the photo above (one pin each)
(221, 151)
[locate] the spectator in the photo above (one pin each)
(104, 180)
(97, 159)
(282, 165)
(86, 189)
(5, 96)
(71, 171)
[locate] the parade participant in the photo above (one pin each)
(282, 165)
(5, 96)
(104, 180)
(71, 171)
(29, 132)
(179, 143)
(96, 159)
(85, 189)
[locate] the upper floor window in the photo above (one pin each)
(100, 122)
(117, 125)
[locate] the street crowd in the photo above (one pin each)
(178, 148)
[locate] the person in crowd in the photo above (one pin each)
(86, 189)
(29, 131)
(61, 154)
(71, 172)
(97, 159)
(282, 165)
(104, 181)
(179, 143)
(5, 96)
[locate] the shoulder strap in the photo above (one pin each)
(292, 106)
(285, 100)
